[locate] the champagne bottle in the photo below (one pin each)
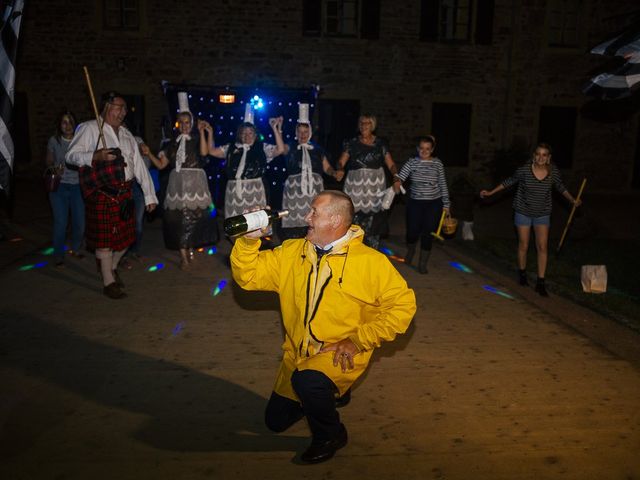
(248, 222)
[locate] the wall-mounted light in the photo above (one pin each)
(227, 98)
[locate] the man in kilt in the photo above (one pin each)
(107, 172)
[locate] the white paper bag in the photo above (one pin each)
(594, 278)
(467, 230)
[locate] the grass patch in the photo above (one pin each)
(621, 302)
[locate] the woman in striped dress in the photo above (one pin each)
(428, 196)
(532, 204)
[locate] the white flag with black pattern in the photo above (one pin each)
(9, 30)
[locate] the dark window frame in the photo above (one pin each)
(317, 18)
(558, 9)
(479, 24)
(121, 9)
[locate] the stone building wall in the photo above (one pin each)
(397, 77)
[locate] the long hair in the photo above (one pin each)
(59, 118)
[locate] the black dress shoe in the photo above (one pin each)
(117, 278)
(113, 291)
(321, 452)
(344, 400)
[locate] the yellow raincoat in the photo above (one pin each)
(353, 292)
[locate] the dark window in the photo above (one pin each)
(484, 22)
(370, 24)
(429, 20)
(312, 17)
(564, 22)
(453, 21)
(338, 121)
(135, 114)
(451, 125)
(121, 14)
(341, 18)
(557, 127)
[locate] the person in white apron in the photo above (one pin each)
(306, 161)
(246, 161)
(366, 155)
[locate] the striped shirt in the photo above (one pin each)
(427, 179)
(533, 196)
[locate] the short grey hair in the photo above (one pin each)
(340, 204)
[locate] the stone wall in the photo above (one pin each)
(260, 43)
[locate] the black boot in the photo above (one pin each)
(540, 288)
(424, 259)
(522, 277)
(411, 251)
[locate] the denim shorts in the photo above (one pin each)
(525, 221)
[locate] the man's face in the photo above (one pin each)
(322, 224)
(115, 111)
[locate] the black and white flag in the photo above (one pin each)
(623, 81)
(9, 30)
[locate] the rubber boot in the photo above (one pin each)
(540, 287)
(424, 259)
(411, 252)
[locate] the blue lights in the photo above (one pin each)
(257, 103)
(461, 267)
(491, 289)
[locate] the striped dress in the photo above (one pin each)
(427, 179)
(533, 196)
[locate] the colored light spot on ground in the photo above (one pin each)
(461, 267)
(47, 251)
(25, 268)
(386, 251)
(16, 239)
(212, 251)
(218, 288)
(177, 329)
(396, 258)
(156, 267)
(497, 292)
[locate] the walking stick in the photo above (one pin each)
(95, 107)
(436, 234)
(573, 210)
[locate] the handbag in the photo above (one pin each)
(51, 177)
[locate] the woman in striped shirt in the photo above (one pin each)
(532, 205)
(428, 196)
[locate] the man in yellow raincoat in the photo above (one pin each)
(339, 299)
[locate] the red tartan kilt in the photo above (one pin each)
(105, 228)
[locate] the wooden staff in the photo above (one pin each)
(95, 107)
(573, 210)
(437, 233)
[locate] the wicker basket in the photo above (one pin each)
(449, 226)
